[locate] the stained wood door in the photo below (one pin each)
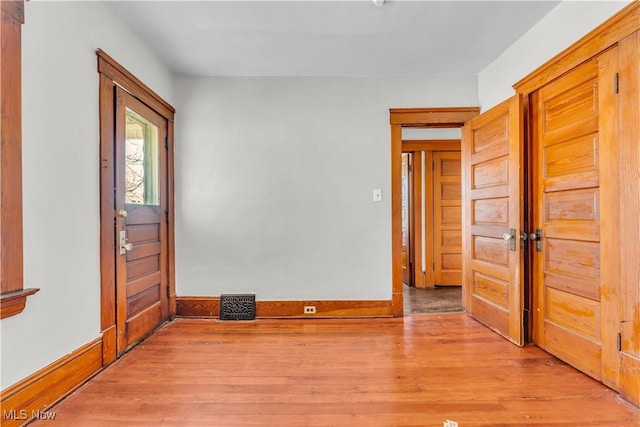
(447, 218)
(141, 226)
(407, 266)
(629, 168)
(492, 217)
(566, 187)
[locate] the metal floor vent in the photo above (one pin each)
(237, 307)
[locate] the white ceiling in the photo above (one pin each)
(322, 38)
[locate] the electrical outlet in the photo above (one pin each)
(309, 309)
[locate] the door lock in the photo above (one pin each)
(511, 237)
(124, 245)
(537, 237)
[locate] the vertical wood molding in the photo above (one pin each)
(416, 216)
(14, 298)
(629, 170)
(40, 391)
(172, 223)
(430, 274)
(608, 142)
(107, 204)
(396, 219)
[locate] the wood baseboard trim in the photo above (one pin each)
(35, 394)
(209, 307)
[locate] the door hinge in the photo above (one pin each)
(168, 291)
(433, 266)
(616, 83)
(166, 215)
(433, 165)
(166, 143)
(410, 168)
(619, 342)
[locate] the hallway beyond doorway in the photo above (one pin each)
(445, 299)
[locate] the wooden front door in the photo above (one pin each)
(447, 227)
(492, 218)
(141, 220)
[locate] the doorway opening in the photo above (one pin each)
(417, 263)
(136, 209)
(431, 225)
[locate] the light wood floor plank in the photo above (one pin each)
(416, 371)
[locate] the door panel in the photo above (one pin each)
(566, 138)
(492, 185)
(141, 202)
(447, 218)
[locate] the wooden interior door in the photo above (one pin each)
(141, 224)
(492, 177)
(629, 234)
(566, 187)
(447, 242)
(407, 265)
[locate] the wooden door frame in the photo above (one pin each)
(411, 211)
(454, 117)
(113, 74)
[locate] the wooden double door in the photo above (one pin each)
(550, 227)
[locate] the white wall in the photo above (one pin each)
(61, 177)
(274, 190)
(563, 26)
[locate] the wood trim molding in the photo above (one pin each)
(416, 220)
(14, 297)
(12, 303)
(209, 307)
(430, 145)
(198, 306)
(620, 25)
(38, 392)
(14, 8)
(432, 117)
(107, 203)
(397, 297)
(123, 78)
(171, 232)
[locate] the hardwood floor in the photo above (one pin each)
(416, 371)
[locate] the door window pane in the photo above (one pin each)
(141, 160)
